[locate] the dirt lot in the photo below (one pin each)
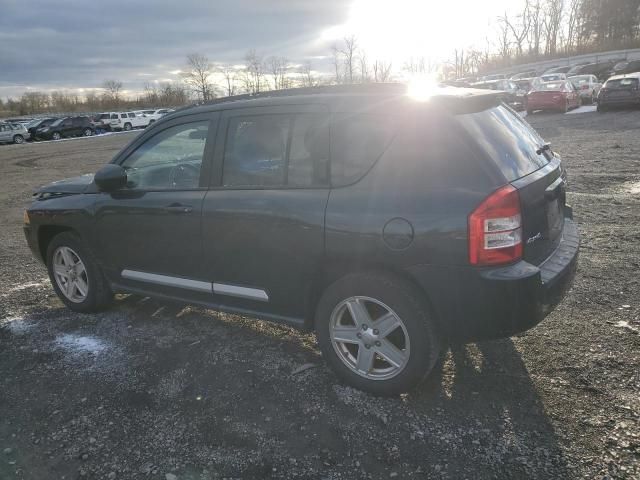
(151, 390)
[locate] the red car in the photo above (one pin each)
(560, 95)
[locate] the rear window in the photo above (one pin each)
(551, 86)
(507, 139)
(621, 83)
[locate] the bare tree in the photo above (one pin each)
(307, 78)
(336, 58)
(348, 51)
(278, 68)
(552, 24)
(198, 76)
(253, 72)
(364, 67)
(520, 27)
(381, 71)
(504, 45)
(230, 75)
(112, 90)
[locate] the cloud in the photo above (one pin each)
(78, 44)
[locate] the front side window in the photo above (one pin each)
(123, 115)
(170, 160)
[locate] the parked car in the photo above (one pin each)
(627, 66)
(66, 127)
(600, 69)
(13, 133)
(588, 86)
(156, 115)
(576, 69)
(33, 126)
(119, 121)
(618, 91)
(563, 69)
(560, 96)
(552, 77)
(511, 93)
(526, 74)
(385, 223)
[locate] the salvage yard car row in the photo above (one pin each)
(56, 128)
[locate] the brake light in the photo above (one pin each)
(495, 229)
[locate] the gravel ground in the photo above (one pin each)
(162, 391)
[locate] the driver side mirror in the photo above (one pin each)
(110, 178)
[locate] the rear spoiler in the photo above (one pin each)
(468, 100)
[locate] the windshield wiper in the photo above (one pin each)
(544, 148)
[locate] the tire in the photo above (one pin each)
(593, 98)
(600, 108)
(56, 136)
(416, 339)
(127, 127)
(565, 109)
(18, 139)
(87, 132)
(89, 278)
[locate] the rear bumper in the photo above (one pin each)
(619, 101)
(476, 304)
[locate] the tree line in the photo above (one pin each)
(548, 29)
(536, 30)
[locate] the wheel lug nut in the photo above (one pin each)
(359, 335)
(376, 331)
(364, 326)
(378, 344)
(367, 346)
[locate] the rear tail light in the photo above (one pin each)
(495, 229)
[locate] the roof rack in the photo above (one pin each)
(369, 88)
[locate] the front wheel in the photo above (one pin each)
(87, 132)
(56, 136)
(18, 139)
(376, 332)
(75, 275)
(127, 126)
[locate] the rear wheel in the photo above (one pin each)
(18, 139)
(87, 132)
(75, 275)
(376, 333)
(127, 126)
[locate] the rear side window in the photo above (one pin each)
(507, 140)
(114, 116)
(277, 150)
(357, 141)
(123, 115)
(132, 115)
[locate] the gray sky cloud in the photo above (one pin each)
(79, 44)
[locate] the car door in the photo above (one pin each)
(148, 233)
(5, 133)
(263, 217)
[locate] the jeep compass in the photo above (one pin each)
(386, 223)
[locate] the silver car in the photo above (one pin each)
(588, 87)
(13, 133)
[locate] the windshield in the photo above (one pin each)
(580, 80)
(507, 139)
(57, 122)
(622, 83)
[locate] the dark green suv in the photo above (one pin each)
(386, 223)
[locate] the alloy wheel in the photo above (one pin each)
(70, 274)
(369, 338)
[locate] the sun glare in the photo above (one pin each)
(422, 87)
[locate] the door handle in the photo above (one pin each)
(178, 209)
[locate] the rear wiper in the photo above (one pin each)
(544, 148)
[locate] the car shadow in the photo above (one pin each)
(487, 385)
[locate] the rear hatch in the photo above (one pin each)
(520, 155)
(620, 89)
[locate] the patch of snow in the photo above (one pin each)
(584, 109)
(80, 343)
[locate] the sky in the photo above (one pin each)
(76, 45)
